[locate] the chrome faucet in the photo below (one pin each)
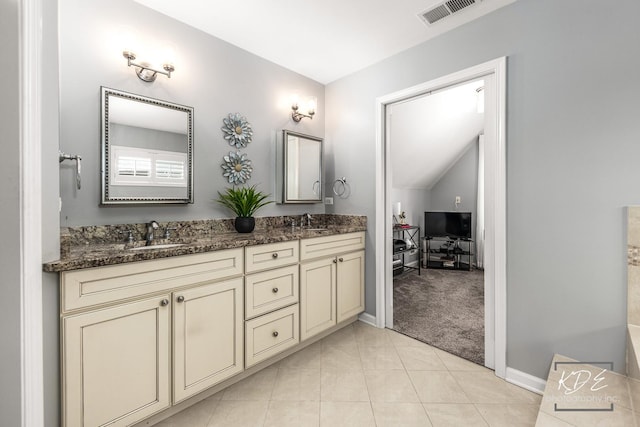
(308, 218)
(151, 226)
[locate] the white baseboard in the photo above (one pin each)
(526, 381)
(368, 319)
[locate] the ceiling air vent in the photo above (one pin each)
(445, 9)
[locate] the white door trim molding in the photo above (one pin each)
(31, 375)
(495, 222)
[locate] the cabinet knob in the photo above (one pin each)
(275, 290)
(340, 259)
(335, 261)
(164, 302)
(274, 255)
(275, 333)
(180, 298)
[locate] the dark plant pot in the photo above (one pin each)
(245, 224)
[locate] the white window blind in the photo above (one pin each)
(147, 167)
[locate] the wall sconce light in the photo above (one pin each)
(308, 108)
(144, 71)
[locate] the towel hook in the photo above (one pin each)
(63, 156)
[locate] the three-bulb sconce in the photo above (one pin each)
(303, 109)
(144, 71)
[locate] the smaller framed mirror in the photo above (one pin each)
(147, 150)
(299, 168)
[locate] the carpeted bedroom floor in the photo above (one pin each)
(443, 308)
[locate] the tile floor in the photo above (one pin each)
(364, 376)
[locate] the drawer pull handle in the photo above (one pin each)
(274, 255)
(335, 261)
(274, 290)
(181, 298)
(340, 259)
(164, 302)
(275, 334)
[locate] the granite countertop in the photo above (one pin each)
(99, 254)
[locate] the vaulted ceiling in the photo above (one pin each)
(323, 40)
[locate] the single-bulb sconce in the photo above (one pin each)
(308, 108)
(480, 99)
(144, 71)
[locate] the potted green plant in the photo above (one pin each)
(244, 202)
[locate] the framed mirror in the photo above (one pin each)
(147, 150)
(299, 168)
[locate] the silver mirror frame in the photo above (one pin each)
(283, 160)
(106, 199)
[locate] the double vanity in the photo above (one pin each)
(145, 330)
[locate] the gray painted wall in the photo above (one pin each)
(50, 212)
(572, 163)
(460, 180)
(212, 76)
(10, 387)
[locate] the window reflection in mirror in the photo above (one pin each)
(300, 172)
(146, 150)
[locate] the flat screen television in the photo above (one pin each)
(454, 225)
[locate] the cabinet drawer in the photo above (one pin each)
(263, 257)
(270, 290)
(103, 285)
(331, 245)
(268, 335)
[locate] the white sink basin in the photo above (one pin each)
(165, 246)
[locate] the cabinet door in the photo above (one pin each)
(115, 363)
(317, 296)
(350, 285)
(208, 338)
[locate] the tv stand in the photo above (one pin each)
(445, 253)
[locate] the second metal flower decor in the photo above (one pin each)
(237, 130)
(236, 168)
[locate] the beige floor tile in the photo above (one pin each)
(509, 415)
(380, 358)
(197, 415)
(545, 420)
(420, 359)
(343, 337)
(341, 357)
(390, 386)
(343, 386)
(308, 358)
(401, 340)
(297, 384)
(455, 363)
(437, 387)
(256, 387)
(235, 413)
(370, 336)
(619, 417)
(293, 414)
(485, 387)
(400, 414)
(454, 415)
(346, 414)
(634, 393)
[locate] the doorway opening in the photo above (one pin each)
(494, 75)
(437, 180)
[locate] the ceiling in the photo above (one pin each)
(429, 134)
(323, 40)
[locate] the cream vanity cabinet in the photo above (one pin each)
(138, 337)
(271, 303)
(331, 281)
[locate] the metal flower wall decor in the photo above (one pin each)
(237, 130)
(236, 168)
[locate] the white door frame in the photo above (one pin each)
(495, 218)
(32, 390)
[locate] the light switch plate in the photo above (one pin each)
(328, 200)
